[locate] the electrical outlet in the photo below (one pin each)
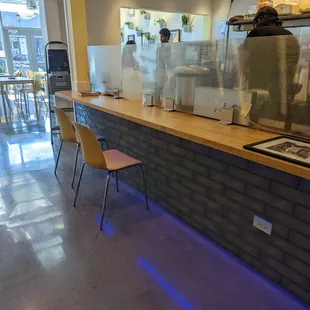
(262, 225)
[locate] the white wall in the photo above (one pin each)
(220, 11)
(173, 21)
(103, 16)
(52, 20)
(62, 21)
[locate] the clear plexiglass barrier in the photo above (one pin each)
(260, 82)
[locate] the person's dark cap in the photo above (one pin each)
(266, 11)
(165, 32)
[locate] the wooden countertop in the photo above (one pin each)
(229, 139)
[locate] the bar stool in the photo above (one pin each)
(111, 160)
(7, 106)
(68, 135)
(35, 90)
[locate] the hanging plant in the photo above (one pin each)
(129, 25)
(131, 13)
(187, 22)
(122, 35)
(149, 37)
(161, 22)
(146, 15)
(138, 32)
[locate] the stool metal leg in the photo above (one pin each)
(4, 105)
(75, 163)
(104, 199)
(116, 173)
(26, 105)
(58, 156)
(106, 143)
(36, 106)
(145, 189)
(79, 183)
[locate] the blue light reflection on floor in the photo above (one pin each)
(165, 285)
(106, 227)
(110, 231)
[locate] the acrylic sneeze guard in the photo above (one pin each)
(264, 81)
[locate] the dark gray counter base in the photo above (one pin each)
(219, 194)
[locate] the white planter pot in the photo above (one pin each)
(130, 26)
(151, 41)
(162, 25)
(147, 16)
(187, 28)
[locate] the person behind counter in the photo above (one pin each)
(163, 52)
(269, 63)
(267, 23)
(131, 77)
(128, 59)
(164, 35)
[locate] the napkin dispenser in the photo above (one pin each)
(148, 98)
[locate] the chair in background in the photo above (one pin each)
(111, 160)
(30, 74)
(7, 106)
(68, 135)
(36, 90)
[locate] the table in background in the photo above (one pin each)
(5, 81)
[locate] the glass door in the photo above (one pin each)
(38, 44)
(18, 45)
(25, 50)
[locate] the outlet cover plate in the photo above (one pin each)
(262, 225)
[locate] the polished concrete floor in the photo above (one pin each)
(53, 256)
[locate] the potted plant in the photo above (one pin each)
(138, 31)
(149, 38)
(152, 38)
(161, 22)
(187, 22)
(129, 25)
(131, 13)
(146, 15)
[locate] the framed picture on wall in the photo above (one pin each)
(131, 37)
(290, 149)
(175, 36)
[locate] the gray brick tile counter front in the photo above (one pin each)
(218, 194)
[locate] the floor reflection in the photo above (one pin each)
(53, 256)
(50, 253)
(22, 120)
(26, 208)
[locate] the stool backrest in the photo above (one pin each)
(30, 74)
(65, 125)
(92, 151)
(36, 83)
